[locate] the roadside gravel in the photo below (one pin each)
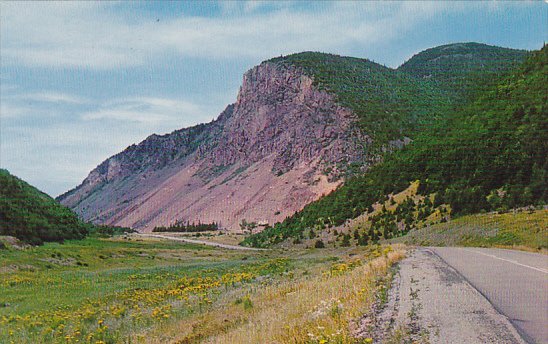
(430, 302)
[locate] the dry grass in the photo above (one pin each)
(313, 308)
(227, 239)
(362, 222)
(524, 230)
(154, 291)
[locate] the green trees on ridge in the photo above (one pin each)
(33, 216)
(488, 155)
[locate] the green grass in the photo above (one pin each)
(527, 230)
(57, 290)
(128, 289)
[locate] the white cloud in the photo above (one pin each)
(150, 110)
(247, 7)
(52, 97)
(66, 151)
(17, 105)
(100, 36)
(52, 139)
(56, 152)
(154, 111)
(10, 110)
(6, 87)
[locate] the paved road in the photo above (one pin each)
(430, 302)
(515, 282)
(201, 242)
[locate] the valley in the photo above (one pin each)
(302, 126)
(336, 200)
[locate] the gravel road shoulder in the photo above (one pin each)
(429, 302)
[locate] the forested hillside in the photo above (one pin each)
(488, 155)
(458, 69)
(392, 103)
(34, 217)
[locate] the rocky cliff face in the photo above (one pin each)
(283, 144)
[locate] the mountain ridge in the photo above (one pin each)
(301, 124)
(487, 155)
(254, 137)
(457, 68)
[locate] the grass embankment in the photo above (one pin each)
(147, 290)
(319, 306)
(527, 230)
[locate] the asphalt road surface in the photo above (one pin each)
(514, 282)
(430, 302)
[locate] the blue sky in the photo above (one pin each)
(80, 81)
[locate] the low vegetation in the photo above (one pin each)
(318, 305)
(524, 229)
(129, 289)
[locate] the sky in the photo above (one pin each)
(80, 81)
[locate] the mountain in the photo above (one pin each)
(459, 68)
(32, 216)
(286, 141)
(282, 144)
(301, 125)
(490, 154)
(388, 104)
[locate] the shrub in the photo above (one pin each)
(319, 244)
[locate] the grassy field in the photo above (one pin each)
(129, 290)
(524, 229)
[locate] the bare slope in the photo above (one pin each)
(276, 149)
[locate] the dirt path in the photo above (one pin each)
(202, 242)
(432, 303)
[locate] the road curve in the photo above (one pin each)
(201, 242)
(515, 282)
